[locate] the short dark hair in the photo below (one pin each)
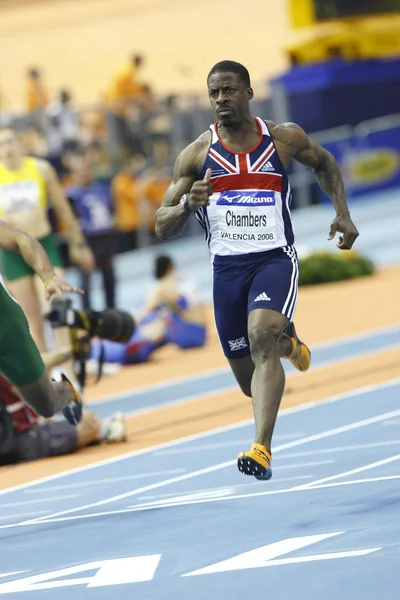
(230, 66)
(163, 265)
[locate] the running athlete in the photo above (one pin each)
(26, 186)
(234, 179)
(20, 360)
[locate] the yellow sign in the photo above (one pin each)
(301, 13)
(373, 166)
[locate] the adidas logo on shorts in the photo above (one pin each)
(262, 296)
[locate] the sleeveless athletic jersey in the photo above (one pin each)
(23, 189)
(249, 209)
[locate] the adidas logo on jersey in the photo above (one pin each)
(264, 297)
(267, 167)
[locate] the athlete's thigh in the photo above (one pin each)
(275, 285)
(20, 360)
(231, 284)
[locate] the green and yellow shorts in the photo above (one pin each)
(13, 266)
(20, 360)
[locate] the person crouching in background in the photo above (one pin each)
(93, 204)
(173, 314)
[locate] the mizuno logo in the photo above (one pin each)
(231, 198)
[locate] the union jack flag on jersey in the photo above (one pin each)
(237, 344)
(247, 181)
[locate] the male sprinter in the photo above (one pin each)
(20, 360)
(234, 178)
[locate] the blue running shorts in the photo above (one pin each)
(242, 283)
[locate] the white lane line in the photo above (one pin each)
(394, 423)
(224, 370)
(152, 387)
(226, 389)
(217, 431)
(174, 504)
(367, 467)
(218, 467)
(303, 465)
(149, 408)
(334, 449)
(82, 484)
(219, 445)
(237, 486)
(39, 501)
(29, 514)
(353, 482)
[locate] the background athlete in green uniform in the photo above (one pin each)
(20, 360)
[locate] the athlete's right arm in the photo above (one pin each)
(172, 216)
(31, 250)
(36, 257)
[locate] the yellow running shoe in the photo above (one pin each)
(300, 355)
(256, 462)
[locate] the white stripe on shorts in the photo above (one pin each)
(293, 304)
(291, 300)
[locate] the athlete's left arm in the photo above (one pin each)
(80, 253)
(328, 175)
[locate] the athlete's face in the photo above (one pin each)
(9, 147)
(229, 97)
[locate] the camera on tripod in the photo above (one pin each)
(109, 324)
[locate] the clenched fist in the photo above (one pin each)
(200, 192)
(344, 224)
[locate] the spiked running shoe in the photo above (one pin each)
(73, 411)
(300, 355)
(256, 462)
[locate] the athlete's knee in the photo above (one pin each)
(263, 341)
(44, 404)
(41, 404)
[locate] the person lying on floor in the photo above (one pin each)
(26, 437)
(172, 314)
